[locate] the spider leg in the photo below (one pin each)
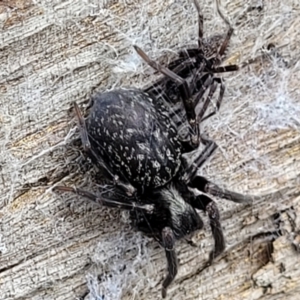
(217, 60)
(211, 83)
(190, 178)
(190, 172)
(224, 69)
(203, 185)
(182, 67)
(207, 83)
(165, 71)
(200, 26)
(148, 208)
(198, 77)
(206, 204)
(178, 66)
(218, 103)
(231, 68)
(228, 35)
(168, 241)
(208, 100)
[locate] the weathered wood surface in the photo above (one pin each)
(54, 246)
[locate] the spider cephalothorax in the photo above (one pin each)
(134, 135)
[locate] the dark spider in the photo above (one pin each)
(194, 75)
(134, 136)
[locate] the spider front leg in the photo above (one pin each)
(215, 61)
(225, 43)
(200, 25)
(168, 241)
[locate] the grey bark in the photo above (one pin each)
(60, 246)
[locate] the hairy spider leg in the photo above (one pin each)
(224, 46)
(203, 185)
(193, 180)
(212, 88)
(168, 241)
(207, 83)
(218, 59)
(205, 203)
(217, 105)
(82, 129)
(190, 171)
(200, 25)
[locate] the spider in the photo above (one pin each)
(135, 137)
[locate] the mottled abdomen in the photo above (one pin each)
(138, 140)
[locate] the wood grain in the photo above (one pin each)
(60, 246)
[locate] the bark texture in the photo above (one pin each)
(61, 246)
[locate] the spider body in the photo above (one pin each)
(136, 137)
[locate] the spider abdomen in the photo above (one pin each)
(137, 139)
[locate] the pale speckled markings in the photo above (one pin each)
(138, 140)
